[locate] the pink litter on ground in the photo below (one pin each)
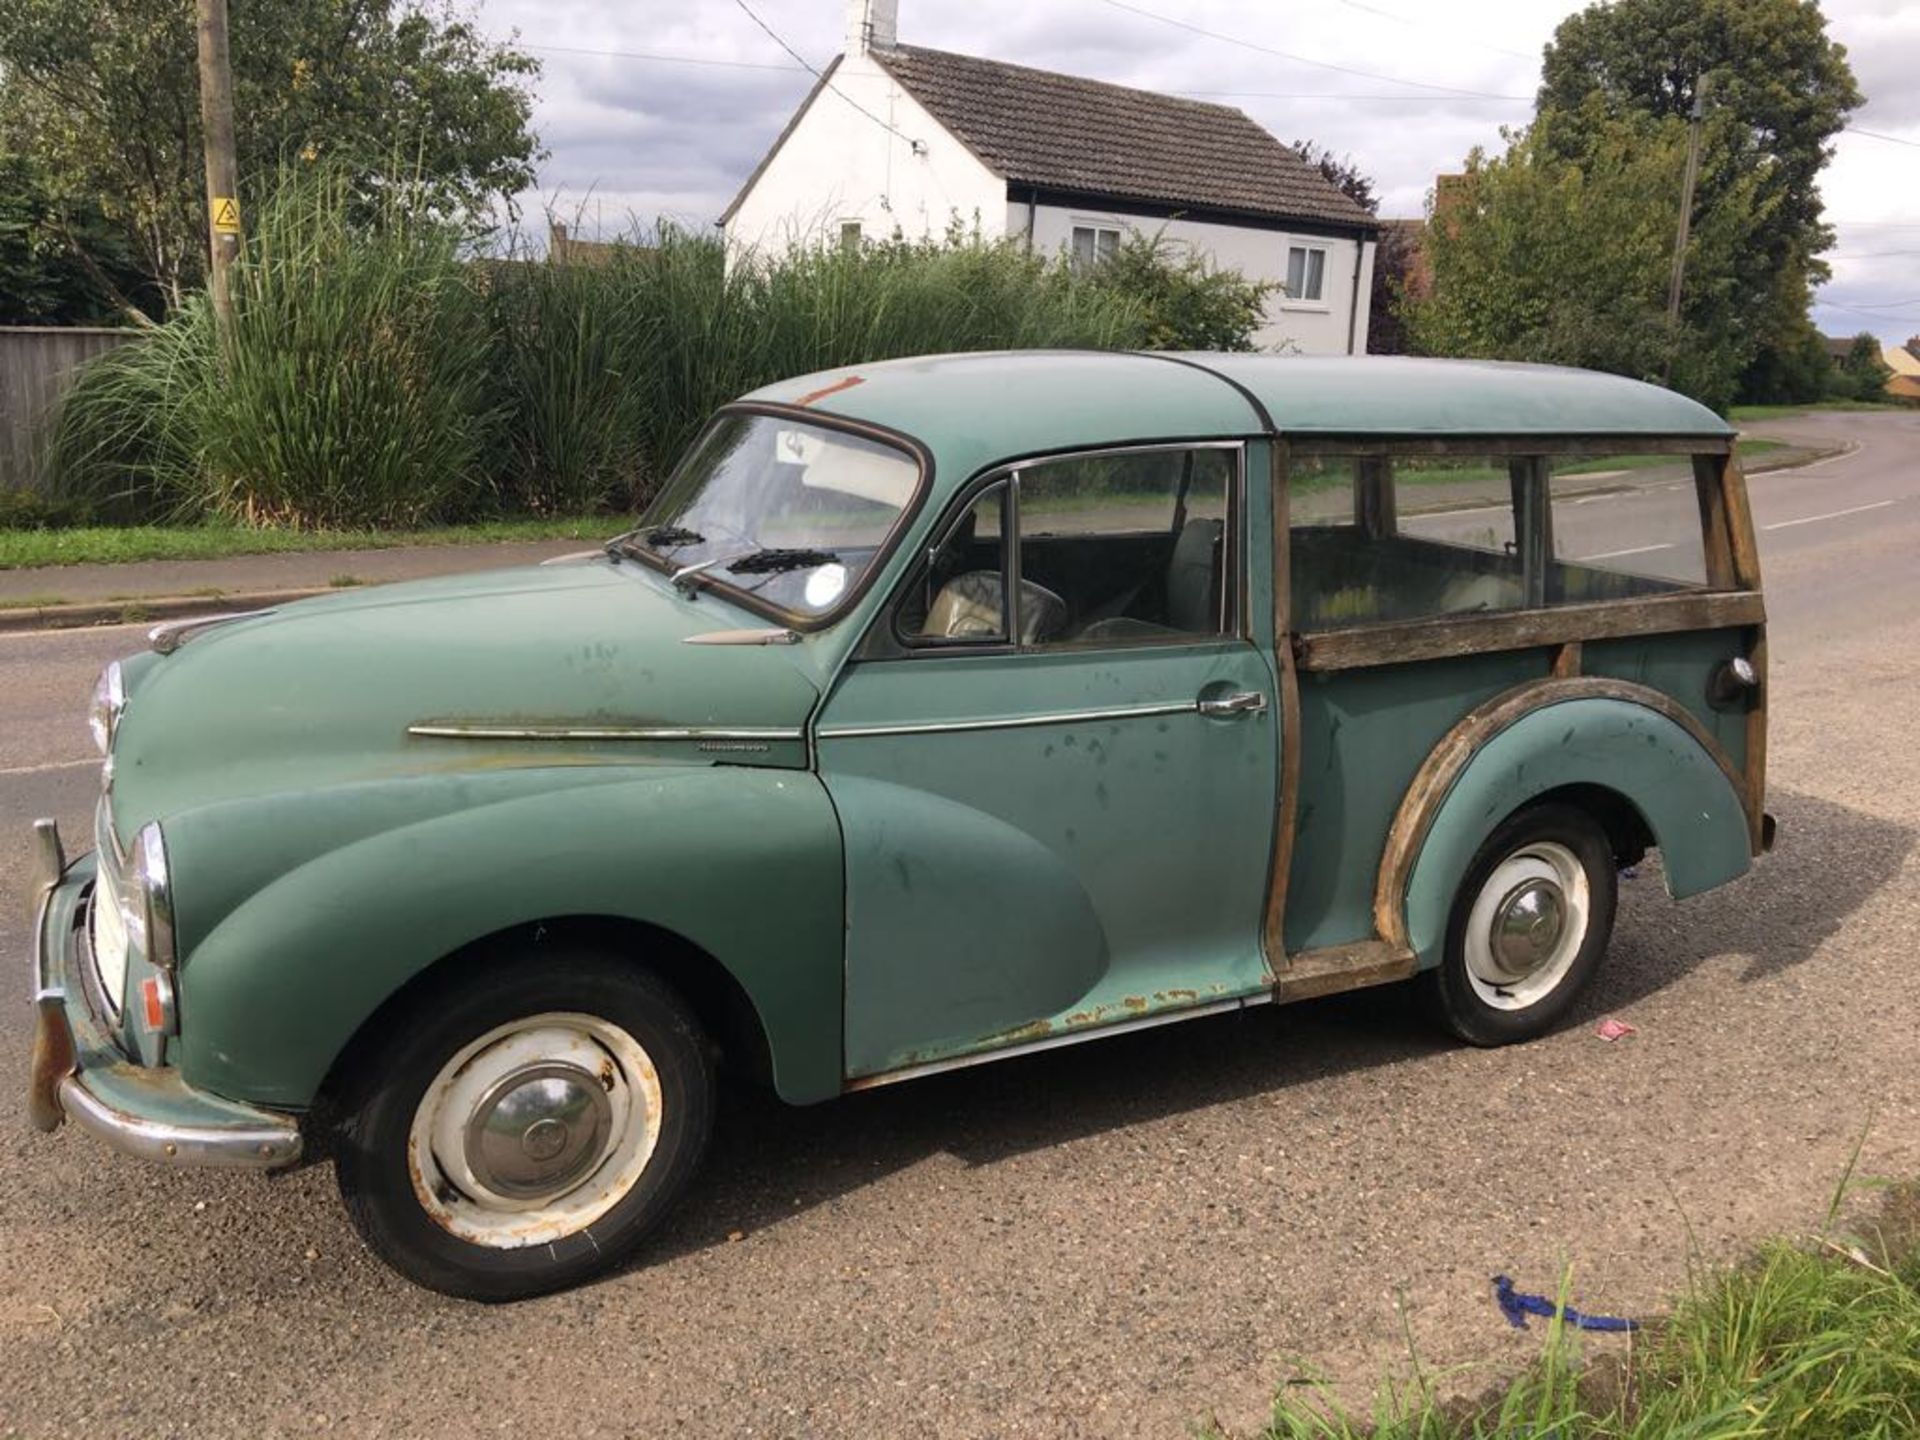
(1612, 1029)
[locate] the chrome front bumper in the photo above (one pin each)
(80, 1073)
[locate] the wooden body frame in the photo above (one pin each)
(1731, 599)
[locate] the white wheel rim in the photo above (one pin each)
(1527, 926)
(535, 1130)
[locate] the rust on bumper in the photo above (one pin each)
(78, 1072)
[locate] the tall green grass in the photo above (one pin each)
(1817, 1340)
(378, 375)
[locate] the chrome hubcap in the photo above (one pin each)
(535, 1130)
(1527, 925)
(539, 1131)
(1527, 928)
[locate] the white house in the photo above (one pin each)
(899, 139)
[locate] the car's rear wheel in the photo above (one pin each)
(1529, 924)
(525, 1126)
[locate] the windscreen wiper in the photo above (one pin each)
(775, 560)
(658, 540)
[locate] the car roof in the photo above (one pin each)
(980, 408)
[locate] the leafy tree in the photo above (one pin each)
(1187, 303)
(57, 266)
(1539, 258)
(1395, 256)
(104, 95)
(1341, 173)
(1770, 66)
(1863, 375)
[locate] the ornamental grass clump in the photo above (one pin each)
(354, 387)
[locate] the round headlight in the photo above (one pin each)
(149, 908)
(109, 699)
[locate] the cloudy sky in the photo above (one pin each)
(655, 108)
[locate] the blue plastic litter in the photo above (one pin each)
(1517, 1306)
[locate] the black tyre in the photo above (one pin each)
(526, 1124)
(1530, 922)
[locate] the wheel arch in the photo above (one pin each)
(714, 993)
(1642, 766)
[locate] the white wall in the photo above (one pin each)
(1311, 327)
(839, 165)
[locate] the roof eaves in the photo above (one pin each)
(793, 122)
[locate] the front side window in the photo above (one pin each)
(782, 512)
(1390, 538)
(1093, 244)
(1092, 550)
(1306, 272)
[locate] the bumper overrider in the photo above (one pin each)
(81, 1073)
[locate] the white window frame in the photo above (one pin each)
(1098, 229)
(852, 234)
(1307, 248)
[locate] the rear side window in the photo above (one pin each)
(1395, 538)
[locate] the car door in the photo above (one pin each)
(1055, 762)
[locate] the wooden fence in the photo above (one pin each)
(36, 364)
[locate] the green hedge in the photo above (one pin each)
(379, 375)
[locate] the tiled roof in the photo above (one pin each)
(1060, 132)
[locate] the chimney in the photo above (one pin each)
(872, 25)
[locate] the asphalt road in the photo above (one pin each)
(1118, 1238)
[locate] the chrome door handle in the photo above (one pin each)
(1246, 702)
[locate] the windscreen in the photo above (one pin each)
(791, 513)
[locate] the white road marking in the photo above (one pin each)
(43, 769)
(1830, 515)
(1617, 554)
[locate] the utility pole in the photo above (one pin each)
(1686, 200)
(216, 126)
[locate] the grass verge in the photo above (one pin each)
(1816, 1339)
(1782, 412)
(114, 544)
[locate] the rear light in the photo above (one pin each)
(159, 1016)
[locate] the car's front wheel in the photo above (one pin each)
(525, 1126)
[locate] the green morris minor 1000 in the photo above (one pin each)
(939, 710)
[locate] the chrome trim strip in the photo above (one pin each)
(770, 636)
(270, 1143)
(169, 637)
(605, 732)
(1054, 1042)
(1012, 722)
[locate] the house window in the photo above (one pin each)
(1306, 272)
(849, 234)
(1094, 243)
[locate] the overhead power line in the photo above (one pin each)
(775, 36)
(1876, 135)
(1342, 95)
(1246, 44)
(1857, 310)
(659, 58)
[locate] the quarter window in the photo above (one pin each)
(1093, 244)
(1385, 538)
(1126, 548)
(1306, 272)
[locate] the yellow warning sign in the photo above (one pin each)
(226, 215)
